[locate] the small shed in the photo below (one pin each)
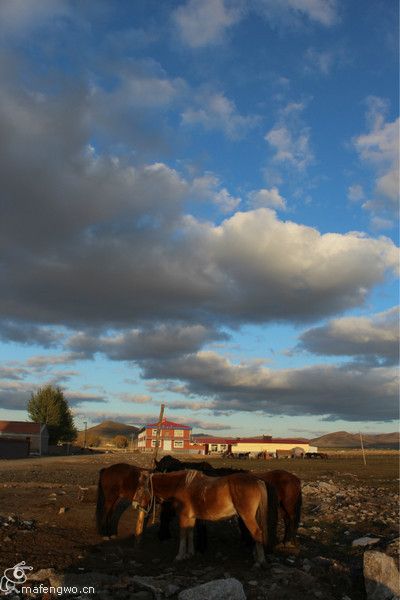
(36, 433)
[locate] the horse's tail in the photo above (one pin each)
(100, 505)
(297, 511)
(262, 512)
(272, 515)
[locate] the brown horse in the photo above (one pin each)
(288, 488)
(116, 488)
(196, 496)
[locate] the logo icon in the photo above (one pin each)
(12, 577)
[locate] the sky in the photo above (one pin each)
(199, 206)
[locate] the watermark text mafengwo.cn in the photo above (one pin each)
(60, 590)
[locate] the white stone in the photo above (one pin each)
(381, 576)
(219, 589)
(365, 541)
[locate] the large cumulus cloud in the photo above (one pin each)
(346, 392)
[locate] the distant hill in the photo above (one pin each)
(108, 430)
(343, 439)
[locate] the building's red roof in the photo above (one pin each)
(167, 425)
(22, 427)
(252, 440)
(215, 440)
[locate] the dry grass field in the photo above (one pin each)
(343, 500)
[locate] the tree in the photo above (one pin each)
(93, 441)
(120, 441)
(49, 405)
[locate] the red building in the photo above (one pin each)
(174, 437)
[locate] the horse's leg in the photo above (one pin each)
(186, 525)
(182, 544)
(244, 533)
(119, 508)
(201, 536)
(109, 507)
(166, 514)
(288, 528)
(190, 543)
(289, 519)
(257, 535)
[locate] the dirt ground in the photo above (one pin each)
(343, 500)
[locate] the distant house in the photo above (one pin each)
(255, 445)
(174, 437)
(36, 433)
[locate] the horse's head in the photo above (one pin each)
(168, 464)
(143, 496)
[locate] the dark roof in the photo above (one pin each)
(168, 425)
(22, 427)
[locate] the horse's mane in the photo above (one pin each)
(190, 475)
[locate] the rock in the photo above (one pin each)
(307, 565)
(393, 548)
(381, 576)
(171, 589)
(330, 488)
(149, 584)
(323, 561)
(365, 541)
(142, 595)
(219, 589)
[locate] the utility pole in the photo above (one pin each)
(362, 449)
(159, 424)
(140, 516)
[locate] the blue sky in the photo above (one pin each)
(200, 207)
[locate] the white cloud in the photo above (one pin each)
(290, 138)
(355, 193)
(208, 187)
(323, 12)
(204, 22)
(290, 147)
(373, 337)
(267, 199)
(216, 112)
(379, 148)
(136, 398)
(319, 61)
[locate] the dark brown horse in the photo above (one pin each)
(287, 486)
(116, 488)
(196, 496)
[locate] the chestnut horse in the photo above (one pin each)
(196, 496)
(287, 486)
(116, 488)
